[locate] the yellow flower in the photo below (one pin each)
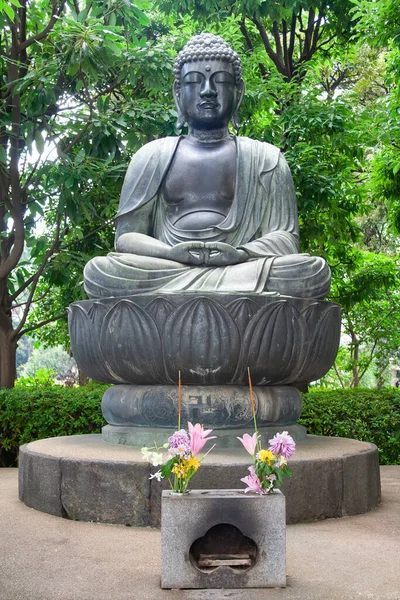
(178, 471)
(192, 463)
(266, 456)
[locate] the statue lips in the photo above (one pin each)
(206, 104)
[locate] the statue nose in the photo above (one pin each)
(208, 90)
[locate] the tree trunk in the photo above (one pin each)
(83, 379)
(8, 349)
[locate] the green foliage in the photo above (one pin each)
(362, 414)
(83, 85)
(54, 359)
(33, 413)
(41, 377)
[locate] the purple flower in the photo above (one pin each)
(179, 444)
(282, 443)
(253, 483)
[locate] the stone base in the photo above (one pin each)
(227, 438)
(215, 406)
(85, 479)
(226, 524)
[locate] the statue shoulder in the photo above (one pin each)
(154, 149)
(145, 173)
(267, 154)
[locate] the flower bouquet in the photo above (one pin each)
(270, 466)
(181, 463)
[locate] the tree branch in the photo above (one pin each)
(339, 376)
(309, 32)
(41, 324)
(73, 242)
(250, 46)
(268, 48)
(277, 37)
(371, 355)
(34, 300)
(36, 277)
(316, 36)
(15, 205)
(291, 41)
(55, 14)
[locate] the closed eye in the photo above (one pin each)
(193, 78)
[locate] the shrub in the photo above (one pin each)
(36, 412)
(368, 415)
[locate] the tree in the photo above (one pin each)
(75, 76)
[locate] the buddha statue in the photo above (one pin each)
(207, 279)
(207, 212)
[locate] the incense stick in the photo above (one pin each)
(253, 407)
(179, 399)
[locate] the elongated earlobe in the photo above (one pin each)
(235, 116)
(180, 122)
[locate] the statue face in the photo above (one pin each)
(208, 94)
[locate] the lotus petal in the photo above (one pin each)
(85, 345)
(275, 345)
(131, 344)
(160, 309)
(242, 311)
(202, 341)
(96, 312)
(323, 321)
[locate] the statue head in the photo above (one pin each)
(208, 87)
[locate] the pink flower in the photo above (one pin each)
(249, 442)
(282, 443)
(253, 482)
(198, 437)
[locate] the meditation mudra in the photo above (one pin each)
(207, 212)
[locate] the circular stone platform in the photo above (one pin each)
(85, 479)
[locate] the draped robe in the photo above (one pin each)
(262, 221)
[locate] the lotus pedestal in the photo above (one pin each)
(140, 343)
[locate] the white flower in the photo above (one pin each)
(145, 453)
(156, 459)
(157, 476)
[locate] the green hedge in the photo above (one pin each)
(33, 413)
(361, 414)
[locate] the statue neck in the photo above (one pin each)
(208, 136)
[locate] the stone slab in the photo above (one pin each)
(259, 521)
(40, 481)
(332, 477)
(91, 491)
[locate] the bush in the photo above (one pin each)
(362, 414)
(32, 413)
(35, 412)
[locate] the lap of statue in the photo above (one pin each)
(122, 274)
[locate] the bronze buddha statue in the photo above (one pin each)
(206, 277)
(207, 212)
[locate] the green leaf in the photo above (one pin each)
(39, 141)
(4, 7)
(3, 155)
